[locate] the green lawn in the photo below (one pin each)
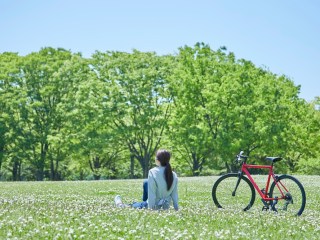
(85, 210)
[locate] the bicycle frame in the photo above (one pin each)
(264, 195)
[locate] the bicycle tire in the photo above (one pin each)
(225, 185)
(296, 196)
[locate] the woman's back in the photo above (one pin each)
(159, 196)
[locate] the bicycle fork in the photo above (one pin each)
(240, 174)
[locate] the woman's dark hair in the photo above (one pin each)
(164, 157)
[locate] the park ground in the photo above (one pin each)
(85, 210)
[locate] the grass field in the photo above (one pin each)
(85, 210)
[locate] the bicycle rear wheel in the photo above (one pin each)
(223, 197)
(295, 196)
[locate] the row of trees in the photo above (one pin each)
(68, 117)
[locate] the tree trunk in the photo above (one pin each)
(145, 162)
(196, 165)
(40, 164)
(54, 167)
(1, 157)
(95, 166)
(57, 176)
(131, 166)
(16, 170)
(39, 174)
(228, 167)
(231, 168)
(51, 170)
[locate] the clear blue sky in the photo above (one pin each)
(281, 35)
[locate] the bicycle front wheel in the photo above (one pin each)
(293, 191)
(225, 195)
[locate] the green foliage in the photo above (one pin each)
(63, 116)
(310, 166)
(137, 98)
(223, 105)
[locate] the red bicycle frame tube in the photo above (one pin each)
(264, 196)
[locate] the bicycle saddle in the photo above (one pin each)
(273, 159)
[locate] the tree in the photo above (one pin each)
(63, 116)
(12, 137)
(92, 139)
(202, 103)
(189, 132)
(304, 138)
(239, 105)
(36, 91)
(138, 99)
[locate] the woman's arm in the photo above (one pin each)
(174, 197)
(152, 187)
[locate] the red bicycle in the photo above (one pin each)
(283, 194)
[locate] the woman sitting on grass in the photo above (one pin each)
(162, 186)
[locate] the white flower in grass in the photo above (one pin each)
(57, 236)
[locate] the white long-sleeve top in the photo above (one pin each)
(157, 189)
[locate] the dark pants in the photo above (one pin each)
(145, 191)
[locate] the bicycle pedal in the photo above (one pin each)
(265, 208)
(273, 208)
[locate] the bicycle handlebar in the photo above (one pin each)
(241, 156)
